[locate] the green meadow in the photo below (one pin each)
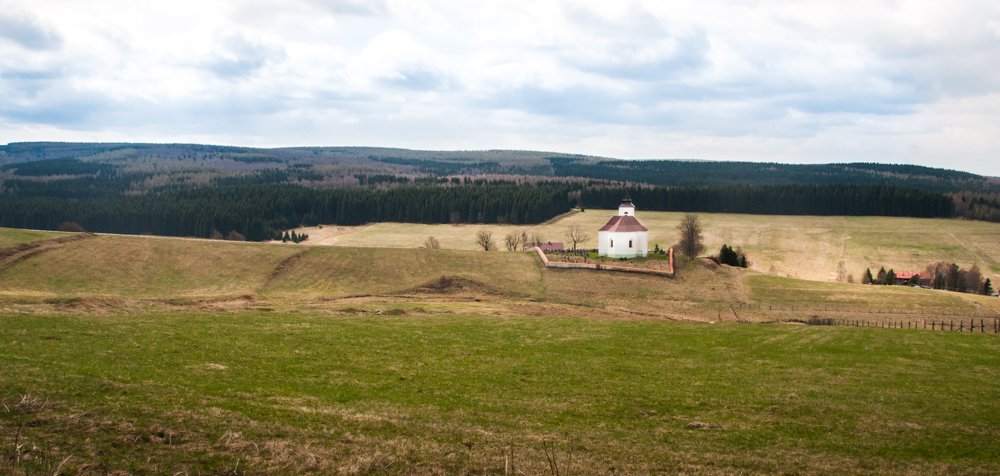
(141, 355)
(351, 392)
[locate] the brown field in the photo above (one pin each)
(132, 269)
(805, 247)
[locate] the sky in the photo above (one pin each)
(914, 82)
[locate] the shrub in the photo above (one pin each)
(71, 226)
(820, 321)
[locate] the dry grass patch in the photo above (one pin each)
(339, 271)
(140, 267)
(805, 247)
(772, 290)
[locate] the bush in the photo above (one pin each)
(820, 321)
(71, 226)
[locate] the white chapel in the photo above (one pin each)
(623, 236)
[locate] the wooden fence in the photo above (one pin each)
(992, 325)
(979, 313)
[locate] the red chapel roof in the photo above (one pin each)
(624, 223)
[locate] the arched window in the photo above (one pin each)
(612, 243)
(629, 243)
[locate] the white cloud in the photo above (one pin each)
(740, 80)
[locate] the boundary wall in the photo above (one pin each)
(599, 267)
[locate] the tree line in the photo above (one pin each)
(940, 275)
(261, 211)
(787, 199)
(679, 173)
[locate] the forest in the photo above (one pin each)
(789, 199)
(262, 211)
(195, 190)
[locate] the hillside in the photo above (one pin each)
(148, 271)
(138, 354)
(338, 161)
(804, 247)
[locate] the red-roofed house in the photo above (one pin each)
(623, 236)
(903, 278)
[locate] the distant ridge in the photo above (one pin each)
(384, 160)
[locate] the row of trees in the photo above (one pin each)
(294, 237)
(940, 275)
(791, 199)
(885, 278)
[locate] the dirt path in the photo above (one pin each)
(13, 255)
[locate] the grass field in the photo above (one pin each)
(145, 355)
(13, 236)
(118, 272)
(145, 268)
(348, 393)
(806, 247)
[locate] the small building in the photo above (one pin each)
(623, 236)
(546, 247)
(903, 278)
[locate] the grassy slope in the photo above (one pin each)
(296, 393)
(155, 268)
(805, 247)
(338, 271)
(796, 292)
(10, 236)
(145, 268)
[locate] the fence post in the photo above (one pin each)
(952, 325)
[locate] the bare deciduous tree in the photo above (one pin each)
(513, 241)
(692, 243)
(537, 238)
(456, 217)
(432, 243)
(576, 235)
(841, 272)
(484, 238)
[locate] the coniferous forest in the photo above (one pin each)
(262, 211)
(201, 191)
(792, 199)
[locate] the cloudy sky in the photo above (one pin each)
(806, 82)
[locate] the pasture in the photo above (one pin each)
(344, 391)
(145, 355)
(804, 247)
(118, 272)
